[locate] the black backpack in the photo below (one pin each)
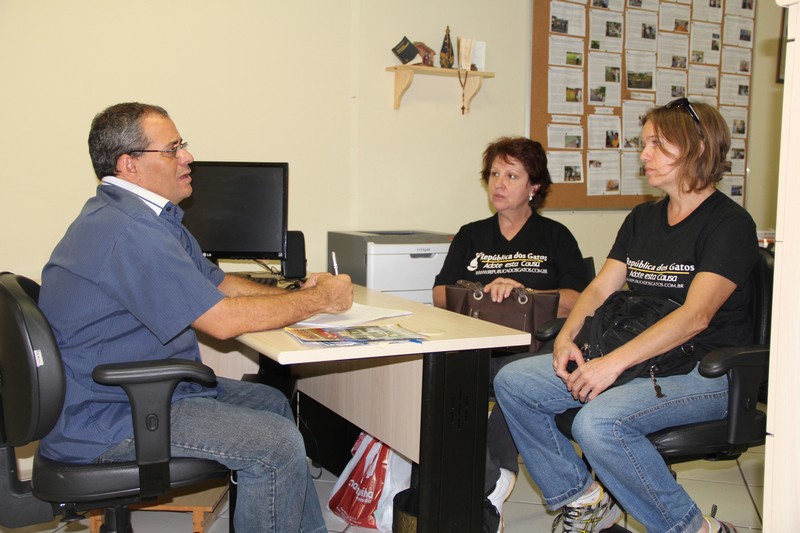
(623, 316)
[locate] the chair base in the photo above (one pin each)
(116, 520)
(205, 502)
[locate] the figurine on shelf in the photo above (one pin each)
(425, 52)
(446, 56)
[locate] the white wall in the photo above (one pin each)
(301, 81)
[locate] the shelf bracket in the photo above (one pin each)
(402, 81)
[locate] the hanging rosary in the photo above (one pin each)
(463, 88)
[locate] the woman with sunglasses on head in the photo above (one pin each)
(695, 246)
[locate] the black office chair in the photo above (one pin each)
(32, 389)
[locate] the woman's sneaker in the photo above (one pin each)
(502, 490)
(597, 516)
(718, 526)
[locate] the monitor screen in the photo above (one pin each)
(238, 210)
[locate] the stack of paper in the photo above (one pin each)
(358, 314)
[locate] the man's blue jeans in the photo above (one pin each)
(611, 431)
(249, 428)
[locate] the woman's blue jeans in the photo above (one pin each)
(249, 428)
(611, 431)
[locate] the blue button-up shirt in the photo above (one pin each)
(124, 284)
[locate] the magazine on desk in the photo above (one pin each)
(337, 336)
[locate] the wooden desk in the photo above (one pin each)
(382, 389)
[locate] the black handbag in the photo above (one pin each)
(524, 309)
(623, 316)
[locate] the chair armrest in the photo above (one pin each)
(149, 386)
(746, 368)
(549, 329)
(718, 362)
(153, 371)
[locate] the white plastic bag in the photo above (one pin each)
(398, 478)
(364, 493)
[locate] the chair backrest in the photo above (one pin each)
(761, 301)
(761, 306)
(31, 373)
(588, 265)
(32, 387)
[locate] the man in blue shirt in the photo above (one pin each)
(129, 282)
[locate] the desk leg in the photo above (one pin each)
(453, 441)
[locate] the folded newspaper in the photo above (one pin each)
(354, 334)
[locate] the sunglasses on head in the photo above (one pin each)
(683, 103)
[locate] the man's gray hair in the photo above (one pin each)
(116, 131)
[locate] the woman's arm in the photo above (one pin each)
(440, 296)
(706, 295)
(566, 301)
(610, 278)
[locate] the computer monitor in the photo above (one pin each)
(239, 210)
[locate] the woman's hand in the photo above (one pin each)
(500, 288)
(564, 351)
(590, 378)
(593, 377)
(610, 278)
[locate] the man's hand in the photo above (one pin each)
(311, 279)
(337, 291)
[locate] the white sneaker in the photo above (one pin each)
(502, 490)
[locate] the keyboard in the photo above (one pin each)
(263, 280)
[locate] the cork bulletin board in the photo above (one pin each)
(599, 65)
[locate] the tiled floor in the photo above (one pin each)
(736, 487)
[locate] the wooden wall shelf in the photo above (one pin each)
(404, 75)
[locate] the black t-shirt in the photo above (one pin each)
(719, 237)
(543, 255)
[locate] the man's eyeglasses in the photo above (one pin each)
(172, 152)
(683, 103)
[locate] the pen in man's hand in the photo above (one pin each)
(335, 264)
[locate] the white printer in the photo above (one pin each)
(403, 263)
